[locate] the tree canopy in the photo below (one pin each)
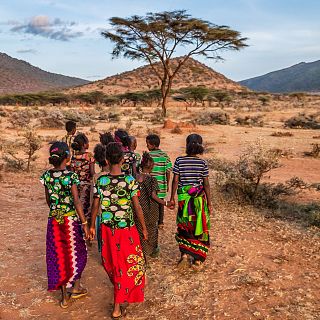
(156, 37)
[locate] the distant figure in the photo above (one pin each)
(129, 166)
(191, 180)
(71, 128)
(133, 147)
(82, 163)
(66, 252)
(149, 202)
(161, 170)
(117, 196)
(105, 139)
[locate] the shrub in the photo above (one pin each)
(129, 124)
(54, 119)
(254, 121)
(20, 119)
(315, 152)
(208, 118)
(27, 146)
(282, 134)
(304, 121)
(157, 116)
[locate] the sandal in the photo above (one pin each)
(79, 294)
(64, 304)
(122, 314)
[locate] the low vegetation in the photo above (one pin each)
(305, 121)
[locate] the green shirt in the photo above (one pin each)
(162, 165)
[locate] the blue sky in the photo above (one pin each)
(63, 36)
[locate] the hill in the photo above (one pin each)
(192, 74)
(18, 76)
(304, 77)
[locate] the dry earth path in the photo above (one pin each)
(258, 268)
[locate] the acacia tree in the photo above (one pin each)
(157, 36)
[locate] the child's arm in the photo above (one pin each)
(79, 209)
(134, 169)
(47, 196)
(94, 213)
(206, 186)
(174, 188)
(168, 174)
(156, 198)
(139, 213)
(91, 166)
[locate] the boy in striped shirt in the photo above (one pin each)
(161, 170)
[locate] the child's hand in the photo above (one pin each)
(145, 234)
(172, 204)
(92, 233)
(86, 232)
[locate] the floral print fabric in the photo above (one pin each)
(115, 193)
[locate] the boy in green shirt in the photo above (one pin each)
(161, 170)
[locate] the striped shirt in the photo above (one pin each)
(191, 170)
(162, 165)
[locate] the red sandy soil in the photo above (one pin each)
(257, 268)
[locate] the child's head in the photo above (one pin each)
(106, 138)
(133, 143)
(80, 142)
(122, 136)
(153, 141)
(59, 153)
(71, 127)
(114, 153)
(194, 145)
(99, 153)
(147, 162)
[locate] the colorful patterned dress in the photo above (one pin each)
(130, 159)
(150, 210)
(80, 164)
(66, 252)
(121, 252)
(193, 220)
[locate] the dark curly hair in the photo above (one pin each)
(79, 141)
(106, 138)
(114, 153)
(146, 161)
(71, 125)
(123, 137)
(58, 152)
(99, 153)
(194, 145)
(153, 139)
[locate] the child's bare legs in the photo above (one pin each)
(64, 297)
(116, 310)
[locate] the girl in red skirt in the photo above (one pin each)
(117, 196)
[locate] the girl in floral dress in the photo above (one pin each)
(117, 195)
(66, 252)
(82, 163)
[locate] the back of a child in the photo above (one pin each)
(82, 163)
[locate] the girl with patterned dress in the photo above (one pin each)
(149, 202)
(191, 182)
(82, 163)
(117, 196)
(129, 166)
(66, 252)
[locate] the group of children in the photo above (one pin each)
(118, 197)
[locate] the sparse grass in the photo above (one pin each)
(282, 134)
(315, 152)
(254, 121)
(208, 118)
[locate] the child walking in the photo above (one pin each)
(161, 170)
(129, 166)
(66, 252)
(82, 163)
(117, 196)
(194, 203)
(149, 202)
(133, 147)
(71, 128)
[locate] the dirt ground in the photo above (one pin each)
(257, 268)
